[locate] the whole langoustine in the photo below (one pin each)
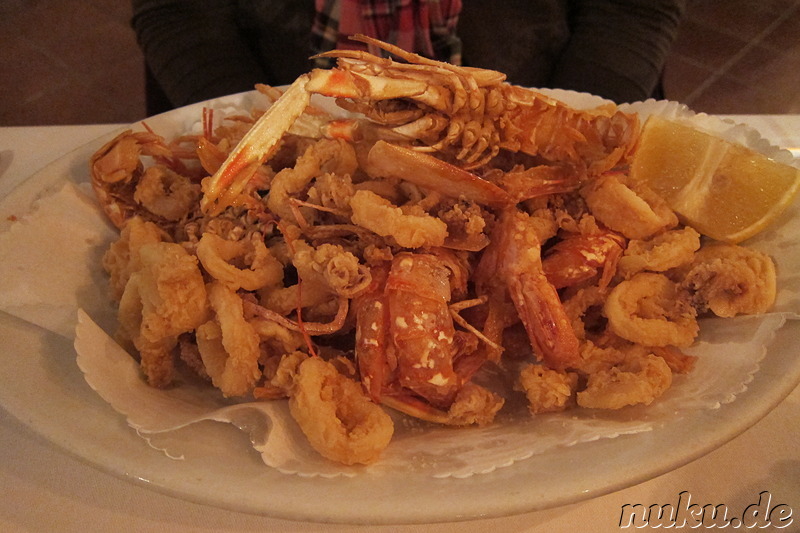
(467, 115)
(472, 111)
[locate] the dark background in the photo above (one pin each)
(77, 62)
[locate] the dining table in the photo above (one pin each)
(754, 471)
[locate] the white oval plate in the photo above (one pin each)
(41, 385)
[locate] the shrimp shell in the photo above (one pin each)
(421, 327)
(579, 258)
(116, 167)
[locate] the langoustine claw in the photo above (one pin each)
(393, 161)
(223, 188)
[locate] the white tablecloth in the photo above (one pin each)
(45, 489)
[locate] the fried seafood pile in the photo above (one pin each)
(455, 227)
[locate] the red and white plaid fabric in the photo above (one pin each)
(426, 27)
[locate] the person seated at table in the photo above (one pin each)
(200, 49)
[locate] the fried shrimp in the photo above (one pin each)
(728, 280)
(229, 345)
(579, 258)
(336, 416)
(162, 299)
(116, 167)
(648, 309)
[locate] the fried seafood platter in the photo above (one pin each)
(446, 247)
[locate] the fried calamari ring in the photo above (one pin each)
(336, 416)
(164, 298)
(637, 214)
(582, 309)
(228, 344)
(729, 280)
(667, 250)
(648, 309)
(259, 268)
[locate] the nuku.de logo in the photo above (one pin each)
(684, 513)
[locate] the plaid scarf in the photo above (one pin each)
(426, 27)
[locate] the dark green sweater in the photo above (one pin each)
(200, 49)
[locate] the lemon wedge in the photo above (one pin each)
(723, 190)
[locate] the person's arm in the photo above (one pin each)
(618, 47)
(195, 49)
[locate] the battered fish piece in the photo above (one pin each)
(547, 390)
(638, 380)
